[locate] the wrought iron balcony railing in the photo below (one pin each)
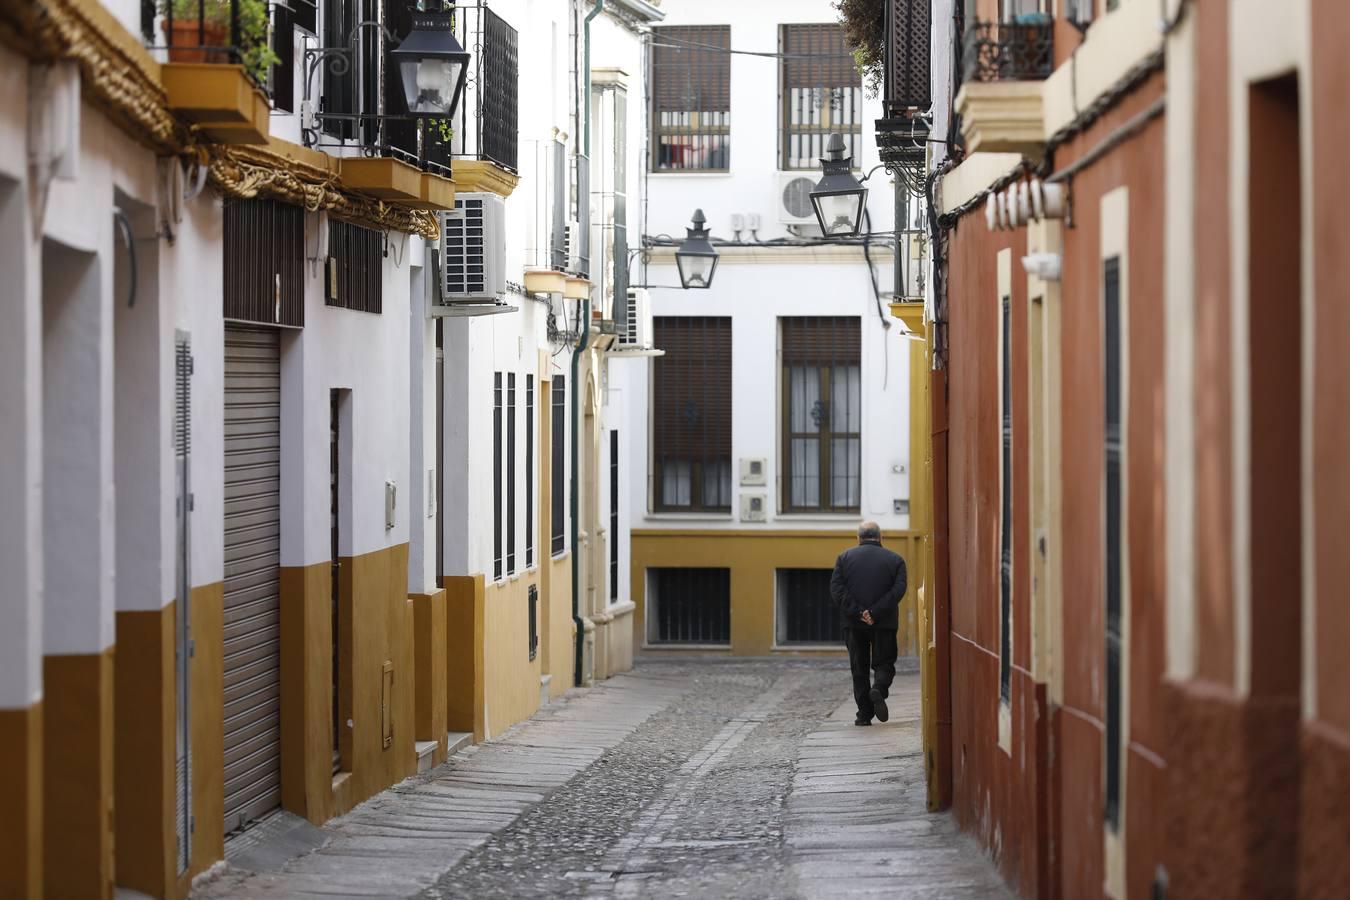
(212, 31)
(1008, 51)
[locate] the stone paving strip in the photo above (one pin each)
(684, 778)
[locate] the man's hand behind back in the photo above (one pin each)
(867, 617)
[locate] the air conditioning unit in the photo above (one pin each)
(576, 264)
(473, 250)
(637, 331)
(794, 198)
(753, 508)
(753, 471)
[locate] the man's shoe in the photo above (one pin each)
(861, 721)
(879, 705)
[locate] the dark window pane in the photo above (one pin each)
(806, 614)
(690, 606)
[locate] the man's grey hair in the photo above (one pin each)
(869, 531)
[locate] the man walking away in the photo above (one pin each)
(867, 585)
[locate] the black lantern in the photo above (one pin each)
(839, 198)
(696, 257)
(432, 66)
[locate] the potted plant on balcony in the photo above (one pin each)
(864, 23)
(202, 24)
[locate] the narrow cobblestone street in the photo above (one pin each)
(680, 779)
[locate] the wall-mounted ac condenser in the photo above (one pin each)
(636, 333)
(473, 250)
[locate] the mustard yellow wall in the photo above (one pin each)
(207, 702)
(560, 631)
(428, 625)
(753, 558)
(21, 798)
(511, 688)
(465, 596)
(375, 625)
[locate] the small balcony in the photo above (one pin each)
(217, 60)
(1003, 66)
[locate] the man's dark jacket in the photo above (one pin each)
(869, 577)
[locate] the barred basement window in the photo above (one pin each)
(691, 447)
(689, 606)
(355, 269)
(822, 413)
(1114, 518)
(559, 467)
(821, 94)
(264, 262)
(691, 98)
(498, 559)
(806, 614)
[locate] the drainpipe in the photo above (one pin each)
(585, 341)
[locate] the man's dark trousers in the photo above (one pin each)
(871, 655)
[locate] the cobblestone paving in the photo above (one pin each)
(683, 779)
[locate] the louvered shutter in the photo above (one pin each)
(693, 387)
(822, 340)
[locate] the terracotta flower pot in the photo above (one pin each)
(189, 38)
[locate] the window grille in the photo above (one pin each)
(806, 614)
(264, 252)
(559, 451)
(821, 94)
(339, 88)
(1114, 518)
(511, 473)
(498, 556)
(822, 413)
(690, 606)
(614, 516)
(908, 56)
(534, 620)
(529, 471)
(355, 267)
(691, 98)
(692, 408)
(1005, 506)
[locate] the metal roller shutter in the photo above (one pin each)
(252, 574)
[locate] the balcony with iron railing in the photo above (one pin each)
(217, 61)
(1003, 66)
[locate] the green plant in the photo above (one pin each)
(442, 130)
(864, 23)
(255, 51)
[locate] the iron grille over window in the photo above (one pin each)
(822, 93)
(511, 473)
(498, 557)
(1114, 519)
(529, 471)
(498, 80)
(1009, 51)
(691, 97)
(559, 470)
(355, 267)
(692, 409)
(339, 89)
(614, 516)
(690, 606)
(264, 262)
(822, 413)
(806, 614)
(909, 82)
(534, 620)
(1005, 506)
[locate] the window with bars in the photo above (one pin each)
(339, 87)
(355, 267)
(511, 473)
(559, 464)
(1005, 504)
(689, 606)
(264, 262)
(529, 471)
(1111, 316)
(821, 94)
(691, 98)
(806, 614)
(822, 413)
(691, 403)
(614, 516)
(498, 553)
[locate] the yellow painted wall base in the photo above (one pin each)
(754, 558)
(207, 691)
(144, 748)
(77, 787)
(21, 798)
(511, 686)
(560, 630)
(464, 596)
(429, 659)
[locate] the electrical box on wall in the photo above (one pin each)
(753, 471)
(752, 508)
(390, 503)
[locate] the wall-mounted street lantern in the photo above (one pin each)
(696, 257)
(432, 67)
(839, 198)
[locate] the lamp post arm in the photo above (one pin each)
(872, 172)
